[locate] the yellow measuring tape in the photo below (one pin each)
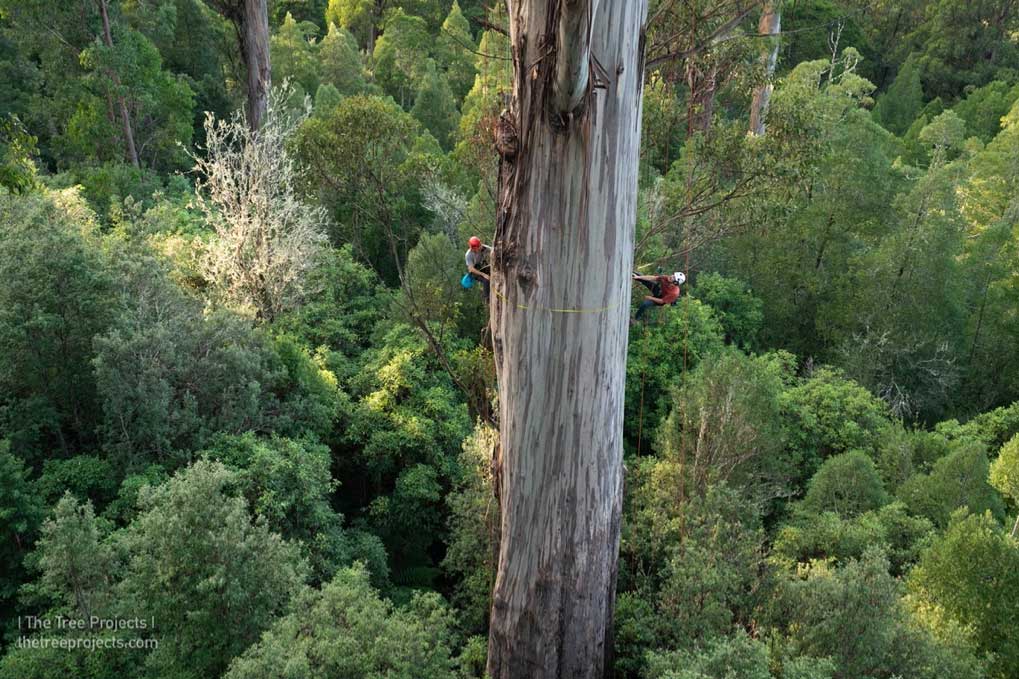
(554, 310)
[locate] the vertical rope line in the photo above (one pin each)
(640, 420)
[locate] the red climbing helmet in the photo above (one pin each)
(474, 242)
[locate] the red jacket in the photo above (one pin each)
(670, 291)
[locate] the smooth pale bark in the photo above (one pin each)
(255, 48)
(770, 25)
(560, 303)
(125, 118)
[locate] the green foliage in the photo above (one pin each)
(861, 30)
(957, 480)
(326, 98)
(955, 54)
(853, 616)
(17, 171)
(734, 657)
(727, 424)
(124, 508)
(988, 206)
(21, 512)
(161, 103)
(493, 79)
(695, 564)
(846, 484)
(824, 173)
(56, 293)
(76, 559)
(355, 16)
(830, 414)
(77, 563)
(1005, 470)
(340, 62)
(660, 351)
(434, 105)
(293, 54)
(983, 109)
(339, 314)
(826, 535)
(195, 43)
(473, 526)
(365, 166)
(313, 11)
(434, 268)
(302, 393)
(288, 484)
(473, 658)
(87, 87)
(108, 185)
(453, 52)
(714, 576)
(170, 376)
(969, 577)
(632, 632)
(195, 559)
(346, 630)
(662, 117)
(944, 134)
(735, 306)
(480, 110)
(87, 477)
(406, 429)
(400, 56)
(897, 108)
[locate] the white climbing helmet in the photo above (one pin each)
(679, 278)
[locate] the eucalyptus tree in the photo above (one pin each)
(250, 19)
(569, 144)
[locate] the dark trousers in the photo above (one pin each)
(484, 281)
(656, 291)
(655, 288)
(644, 306)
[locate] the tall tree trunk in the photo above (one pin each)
(254, 33)
(560, 302)
(702, 83)
(125, 118)
(770, 25)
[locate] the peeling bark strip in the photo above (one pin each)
(573, 58)
(564, 240)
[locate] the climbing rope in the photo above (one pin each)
(643, 370)
(640, 415)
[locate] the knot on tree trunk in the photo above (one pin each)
(506, 140)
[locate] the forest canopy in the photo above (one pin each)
(248, 388)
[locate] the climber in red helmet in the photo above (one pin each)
(479, 262)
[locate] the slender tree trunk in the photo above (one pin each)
(700, 106)
(771, 25)
(561, 290)
(125, 118)
(255, 50)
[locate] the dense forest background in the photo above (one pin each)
(243, 395)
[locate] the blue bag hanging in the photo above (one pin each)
(467, 281)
